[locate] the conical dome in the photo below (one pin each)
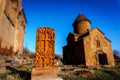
(80, 18)
(81, 24)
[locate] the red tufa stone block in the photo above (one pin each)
(44, 73)
(44, 56)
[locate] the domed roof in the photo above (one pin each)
(80, 17)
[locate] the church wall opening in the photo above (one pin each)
(102, 59)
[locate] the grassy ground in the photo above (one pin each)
(17, 73)
(68, 73)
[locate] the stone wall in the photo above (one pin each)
(2, 6)
(44, 56)
(80, 29)
(105, 46)
(12, 26)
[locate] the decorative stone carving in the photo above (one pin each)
(44, 47)
(44, 56)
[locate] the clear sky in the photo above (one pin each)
(60, 14)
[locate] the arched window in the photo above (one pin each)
(98, 43)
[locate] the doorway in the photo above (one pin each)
(102, 59)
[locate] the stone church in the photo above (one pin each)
(87, 46)
(12, 26)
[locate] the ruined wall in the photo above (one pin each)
(12, 26)
(12, 9)
(19, 32)
(2, 6)
(7, 32)
(44, 56)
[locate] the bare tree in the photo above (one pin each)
(117, 57)
(116, 53)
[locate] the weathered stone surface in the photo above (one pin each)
(83, 73)
(81, 24)
(44, 56)
(86, 46)
(44, 73)
(12, 26)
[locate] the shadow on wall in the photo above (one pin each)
(6, 51)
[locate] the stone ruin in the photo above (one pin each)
(12, 27)
(12, 30)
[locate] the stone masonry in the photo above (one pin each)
(87, 46)
(44, 56)
(12, 26)
(44, 68)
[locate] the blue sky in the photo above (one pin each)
(60, 14)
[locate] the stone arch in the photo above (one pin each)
(102, 57)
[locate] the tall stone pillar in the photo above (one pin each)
(44, 47)
(44, 56)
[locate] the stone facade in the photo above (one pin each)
(12, 26)
(87, 46)
(44, 56)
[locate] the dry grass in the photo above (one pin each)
(68, 73)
